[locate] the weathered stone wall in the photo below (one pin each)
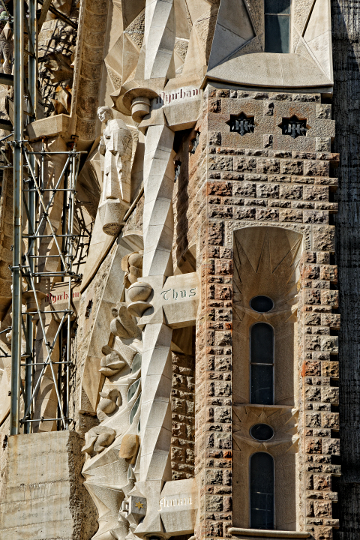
(183, 416)
(266, 178)
(52, 502)
(346, 56)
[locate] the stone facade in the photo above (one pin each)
(208, 179)
(249, 184)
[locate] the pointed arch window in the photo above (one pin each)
(277, 26)
(262, 364)
(262, 488)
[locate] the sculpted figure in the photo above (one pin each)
(112, 362)
(116, 147)
(108, 404)
(97, 439)
(6, 48)
(123, 324)
(132, 266)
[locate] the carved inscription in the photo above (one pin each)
(169, 502)
(53, 298)
(172, 294)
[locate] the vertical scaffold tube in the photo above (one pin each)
(18, 174)
(32, 87)
(33, 58)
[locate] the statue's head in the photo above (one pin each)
(105, 114)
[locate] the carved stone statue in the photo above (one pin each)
(6, 49)
(97, 439)
(116, 147)
(132, 266)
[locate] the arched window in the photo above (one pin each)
(262, 484)
(277, 26)
(262, 364)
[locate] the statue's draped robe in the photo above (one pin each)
(117, 161)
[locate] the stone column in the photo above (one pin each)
(156, 372)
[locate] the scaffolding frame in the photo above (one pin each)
(33, 201)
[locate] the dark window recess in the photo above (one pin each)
(261, 304)
(294, 126)
(262, 491)
(88, 309)
(194, 143)
(241, 123)
(277, 26)
(262, 432)
(262, 364)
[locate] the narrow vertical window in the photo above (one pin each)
(262, 364)
(262, 484)
(277, 26)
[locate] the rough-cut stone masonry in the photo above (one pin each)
(265, 178)
(183, 416)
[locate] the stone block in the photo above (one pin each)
(322, 509)
(222, 163)
(316, 193)
(291, 192)
(288, 215)
(245, 189)
(330, 420)
(313, 446)
(323, 111)
(316, 168)
(324, 238)
(312, 393)
(330, 395)
(270, 214)
(244, 164)
(330, 344)
(267, 190)
(329, 272)
(292, 167)
(313, 420)
(330, 298)
(331, 446)
(44, 494)
(315, 216)
(219, 188)
(245, 213)
(311, 296)
(268, 166)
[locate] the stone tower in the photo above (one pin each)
(218, 193)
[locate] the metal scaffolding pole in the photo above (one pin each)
(43, 252)
(35, 272)
(31, 195)
(18, 181)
